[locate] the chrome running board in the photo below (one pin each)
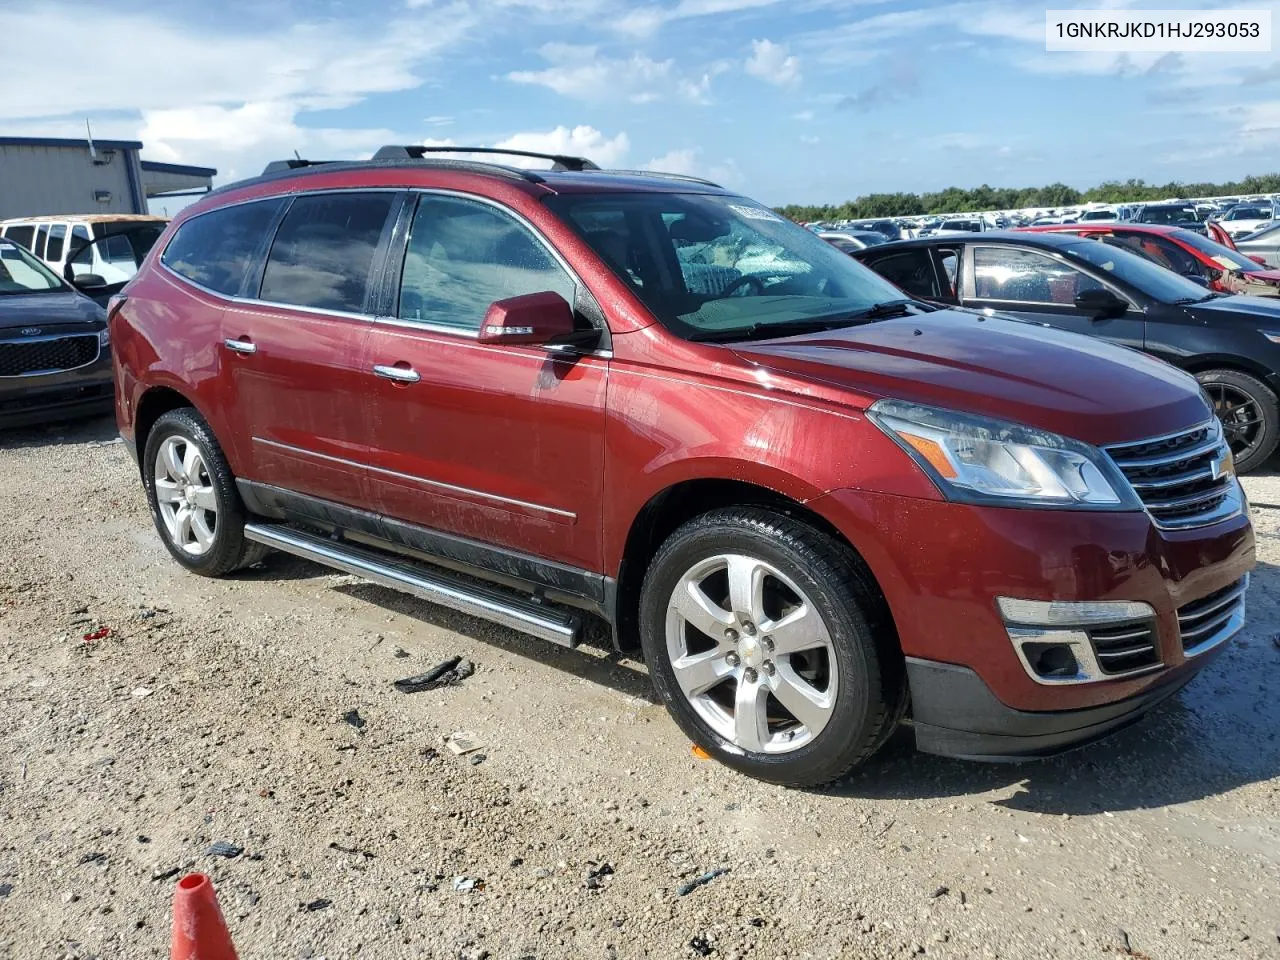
(527, 616)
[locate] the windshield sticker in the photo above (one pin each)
(1224, 262)
(755, 213)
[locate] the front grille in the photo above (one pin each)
(1126, 648)
(1179, 477)
(1206, 622)
(20, 358)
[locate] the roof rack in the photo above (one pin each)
(293, 163)
(416, 152)
(668, 176)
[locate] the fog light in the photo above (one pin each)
(1052, 637)
(1051, 659)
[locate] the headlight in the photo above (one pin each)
(104, 337)
(976, 460)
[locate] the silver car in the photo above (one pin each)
(1264, 243)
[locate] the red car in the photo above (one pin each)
(815, 505)
(1183, 251)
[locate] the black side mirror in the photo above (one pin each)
(1101, 304)
(88, 281)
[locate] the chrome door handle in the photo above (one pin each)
(398, 374)
(240, 346)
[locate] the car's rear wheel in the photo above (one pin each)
(1250, 415)
(193, 498)
(769, 646)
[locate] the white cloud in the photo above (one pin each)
(579, 141)
(675, 161)
(772, 63)
(582, 73)
(689, 162)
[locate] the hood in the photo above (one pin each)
(1073, 385)
(1249, 310)
(49, 311)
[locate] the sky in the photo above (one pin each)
(804, 101)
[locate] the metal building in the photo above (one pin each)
(41, 176)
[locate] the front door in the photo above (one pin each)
(1035, 286)
(499, 444)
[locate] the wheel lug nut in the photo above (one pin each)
(732, 660)
(768, 668)
(768, 644)
(731, 635)
(749, 675)
(748, 628)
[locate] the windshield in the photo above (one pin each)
(1223, 256)
(1099, 215)
(1150, 278)
(1170, 215)
(21, 272)
(711, 266)
(1248, 213)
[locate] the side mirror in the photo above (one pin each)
(87, 281)
(1257, 259)
(535, 318)
(1101, 304)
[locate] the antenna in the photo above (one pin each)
(297, 154)
(93, 154)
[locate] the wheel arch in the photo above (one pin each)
(151, 405)
(1203, 363)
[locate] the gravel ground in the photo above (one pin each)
(220, 711)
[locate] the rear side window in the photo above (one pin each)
(323, 253)
(42, 234)
(217, 248)
(464, 255)
(57, 238)
(1027, 276)
(912, 270)
(81, 255)
(23, 235)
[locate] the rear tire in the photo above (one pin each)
(193, 498)
(770, 646)
(1250, 415)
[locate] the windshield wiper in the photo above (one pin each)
(1183, 301)
(786, 328)
(890, 308)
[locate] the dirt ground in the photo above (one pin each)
(220, 711)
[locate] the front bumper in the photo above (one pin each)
(955, 714)
(66, 395)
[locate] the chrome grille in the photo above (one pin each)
(1179, 477)
(1126, 648)
(34, 355)
(1206, 622)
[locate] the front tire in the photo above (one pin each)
(193, 498)
(1250, 415)
(770, 646)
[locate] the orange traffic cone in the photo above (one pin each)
(199, 932)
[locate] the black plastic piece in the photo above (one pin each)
(559, 161)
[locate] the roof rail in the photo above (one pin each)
(668, 176)
(417, 152)
(293, 163)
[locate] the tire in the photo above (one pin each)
(1250, 415)
(843, 670)
(185, 473)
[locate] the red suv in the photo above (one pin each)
(816, 506)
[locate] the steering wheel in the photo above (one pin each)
(743, 281)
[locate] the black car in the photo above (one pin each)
(1182, 215)
(1230, 343)
(55, 359)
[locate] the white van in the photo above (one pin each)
(114, 259)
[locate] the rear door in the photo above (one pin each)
(1035, 285)
(501, 444)
(294, 346)
(913, 269)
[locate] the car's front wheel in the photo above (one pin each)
(193, 497)
(769, 646)
(1250, 415)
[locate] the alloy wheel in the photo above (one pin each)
(185, 496)
(752, 654)
(1242, 420)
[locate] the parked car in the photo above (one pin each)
(812, 502)
(1185, 252)
(1246, 218)
(1264, 245)
(1175, 214)
(1231, 344)
(64, 242)
(960, 225)
(850, 241)
(1105, 215)
(890, 229)
(55, 358)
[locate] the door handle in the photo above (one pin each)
(241, 346)
(398, 374)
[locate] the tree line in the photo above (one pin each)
(958, 200)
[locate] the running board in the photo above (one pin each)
(527, 616)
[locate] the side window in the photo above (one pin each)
(81, 255)
(215, 249)
(323, 252)
(949, 261)
(912, 270)
(24, 235)
(57, 239)
(463, 255)
(42, 235)
(1178, 259)
(1026, 276)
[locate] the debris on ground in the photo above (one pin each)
(698, 752)
(317, 904)
(701, 946)
(353, 717)
(141, 692)
(169, 874)
(940, 892)
(464, 741)
(477, 759)
(688, 888)
(95, 857)
(468, 884)
(224, 848)
(596, 874)
(5, 890)
(100, 634)
(355, 851)
(450, 673)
